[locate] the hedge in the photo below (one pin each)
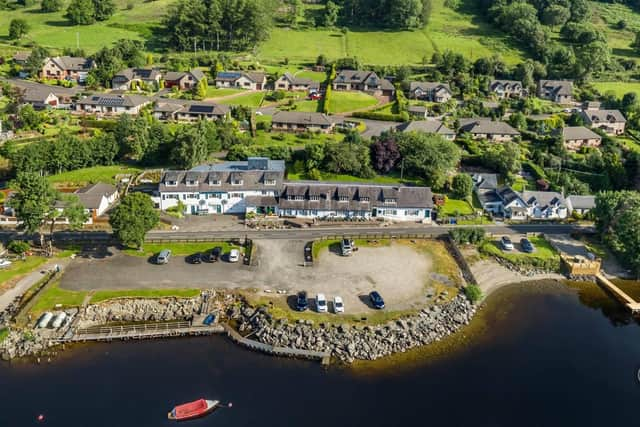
(535, 170)
(379, 116)
(99, 124)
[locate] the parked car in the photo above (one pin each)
(301, 302)
(346, 247)
(195, 258)
(376, 300)
(209, 319)
(163, 257)
(527, 246)
(338, 305)
(506, 243)
(315, 96)
(321, 303)
(215, 253)
(234, 255)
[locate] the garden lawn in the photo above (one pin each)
(252, 99)
(100, 296)
(378, 179)
(619, 88)
(453, 207)
(53, 295)
(292, 139)
(80, 177)
(20, 268)
(342, 102)
(213, 92)
(150, 249)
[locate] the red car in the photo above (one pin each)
(315, 96)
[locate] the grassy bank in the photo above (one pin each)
(92, 175)
(545, 256)
(54, 295)
(20, 268)
(101, 296)
(150, 249)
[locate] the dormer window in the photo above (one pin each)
(215, 182)
(192, 183)
(269, 182)
(364, 199)
(290, 197)
(237, 182)
(299, 197)
(343, 199)
(314, 198)
(389, 201)
(171, 183)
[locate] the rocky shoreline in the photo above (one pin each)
(349, 343)
(345, 342)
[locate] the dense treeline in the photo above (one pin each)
(392, 14)
(218, 24)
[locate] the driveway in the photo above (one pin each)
(376, 127)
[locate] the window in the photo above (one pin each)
(269, 182)
(214, 182)
(412, 212)
(171, 183)
(389, 212)
(314, 198)
(364, 199)
(192, 196)
(343, 198)
(192, 183)
(299, 197)
(237, 182)
(290, 197)
(389, 201)
(236, 195)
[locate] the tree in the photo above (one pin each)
(36, 60)
(133, 218)
(555, 15)
(428, 156)
(331, 13)
(190, 147)
(461, 185)
(51, 5)
(18, 28)
(635, 44)
(74, 211)
(103, 9)
(32, 200)
(385, 153)
(505, 158)
(29, 117)
(81, 12)
(349, 157)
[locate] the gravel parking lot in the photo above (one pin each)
(397, 271)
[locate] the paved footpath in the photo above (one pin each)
(29, 280)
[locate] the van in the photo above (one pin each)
(346, 247)
(163, 256)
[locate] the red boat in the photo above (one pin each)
(191, 410)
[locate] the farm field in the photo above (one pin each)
(619, 88)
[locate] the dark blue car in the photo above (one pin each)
(209, 319)
(376, 300)
(302, 303)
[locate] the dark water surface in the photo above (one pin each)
(544, 359)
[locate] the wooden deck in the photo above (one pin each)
(625, 299)
(141, 331)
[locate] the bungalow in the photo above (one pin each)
(495, 131)
(558, 91)
(290, 82)
(40, 98)
(611, 122)
(507, 88)
(190, 111)
(21, 58)
(364, 81)
(349, 200)
(521, 206)
(252, 80)
(183, 80)
(141, 76)
(428, 126)
(43, 96)
(418, 111)
(97, 198)
(223, 188)
(576, 137)
(111, 104)
(581, 204)
(67, 68)
(591, 105)
(295, 121)
(430, 91)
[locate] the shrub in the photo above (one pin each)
(471, 235)
(19, 247)
(378, 116)
(473, 293)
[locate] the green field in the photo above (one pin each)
(619, 88)
(95, 174)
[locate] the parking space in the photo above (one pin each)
(397, 271)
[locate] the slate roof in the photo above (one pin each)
(139, 74)
(581, 202)
(36, 95)
(359, 196)
(73, 63)
(507, 194)
(558, 87)
(173, 76)
(604, 116)
(578, 132)
(544, 199)
(21, 56)
(426, 126)
(226, 172)
(108, 100)
(232, 76)
(300, 81)
(205, 109)
(485, 181)
(486, 126)
(91, 195)
(428, 86)
(302, 118)
(370, 78)
(507, 84)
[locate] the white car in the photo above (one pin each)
(338, 305)
(234, 255)
(321, 303)
(4, 263)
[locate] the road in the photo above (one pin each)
(310, 233)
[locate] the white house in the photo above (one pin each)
(222, 188)
(252, 80)
(581, 204)
(96, 200)
(526, 205)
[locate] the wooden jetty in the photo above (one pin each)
(323, 357)
(625, 299)
(140, 331)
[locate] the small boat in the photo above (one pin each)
(191, 410)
